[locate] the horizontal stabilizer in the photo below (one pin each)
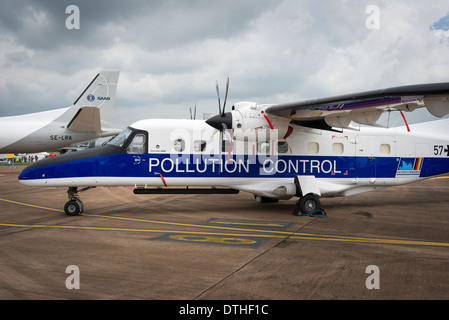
(87, 119)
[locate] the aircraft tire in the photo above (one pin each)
(309, 203)
(73, 208)
(81, 205)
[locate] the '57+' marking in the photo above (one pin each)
(439, 150)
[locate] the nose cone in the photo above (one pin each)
(221, 121)
(80, 164)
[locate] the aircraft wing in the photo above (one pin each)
(365, 107)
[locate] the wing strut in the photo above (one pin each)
(405, 120)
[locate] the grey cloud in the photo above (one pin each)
(153, 24)
(170, 53)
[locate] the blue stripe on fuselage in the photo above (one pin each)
(189, 166)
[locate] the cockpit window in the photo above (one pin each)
(135, 141)
(121, 138)
(137, 146)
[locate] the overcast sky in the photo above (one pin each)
(170, 53)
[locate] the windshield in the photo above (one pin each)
(121, 138)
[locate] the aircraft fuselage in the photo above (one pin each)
(152, 153)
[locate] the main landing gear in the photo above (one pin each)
(74, 206)
(309, 205)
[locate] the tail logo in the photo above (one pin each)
(91, 98)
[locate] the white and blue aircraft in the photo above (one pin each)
(88, 118)
(305, 149)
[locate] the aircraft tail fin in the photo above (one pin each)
(100, 93)
(87, 119)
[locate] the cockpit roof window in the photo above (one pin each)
(121, 138)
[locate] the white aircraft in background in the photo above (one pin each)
(86, 119)
(306, 149)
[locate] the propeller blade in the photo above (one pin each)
(226, 96)
(218, 95)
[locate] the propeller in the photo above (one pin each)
(223, 120)
(193, 116)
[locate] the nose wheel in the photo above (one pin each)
(74, 206)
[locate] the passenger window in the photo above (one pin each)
(264, 147)
(199, 145)
(137, 146)
(313, 148)
(338, 148)
(282, 147)
(385, 149)
(179, 145)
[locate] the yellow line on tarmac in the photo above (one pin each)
(284, 233)
(293, 236)
(273, 234)
(374, 240)
(438, 178)
(281, 234)
(182, 224)
(250, 224)
(17, 225)
(136, 219)
(136, 230)
(31, 205)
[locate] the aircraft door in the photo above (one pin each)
(365, 163)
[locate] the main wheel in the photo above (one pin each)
(73, 208)
(309, 203)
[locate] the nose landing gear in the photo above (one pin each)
(74, 206)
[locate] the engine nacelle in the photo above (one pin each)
(251, 123)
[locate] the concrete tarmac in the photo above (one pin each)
(382, 245)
